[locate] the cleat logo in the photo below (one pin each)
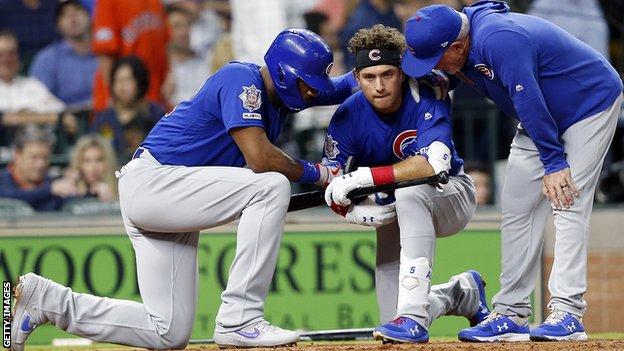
(571, 327)
(26, 327)
(251, 335)
(414, 330)
(502, 327)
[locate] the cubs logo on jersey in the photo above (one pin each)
(331, 147)
(485, 70)
(402, 145)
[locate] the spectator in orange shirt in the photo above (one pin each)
(123, 28)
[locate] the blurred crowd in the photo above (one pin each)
(83, 81)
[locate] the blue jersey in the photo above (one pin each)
(538, 73)
(357, 130)
(196, 132)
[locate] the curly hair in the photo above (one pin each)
(377, 37)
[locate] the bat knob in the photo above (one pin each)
(443, 177)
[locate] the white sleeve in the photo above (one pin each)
(43, 101)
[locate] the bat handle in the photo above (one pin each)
(443, 177)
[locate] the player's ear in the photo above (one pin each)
(457, 46)
(356, 74)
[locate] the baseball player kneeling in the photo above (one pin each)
(397, 130)
(210, 161)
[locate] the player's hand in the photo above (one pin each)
(340, 187)
(375, 211)
(559, 188)
(327, 173)
(438, 81)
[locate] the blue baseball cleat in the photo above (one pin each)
(401, 330)
(559, 326)
(483, 310)
(497, 327)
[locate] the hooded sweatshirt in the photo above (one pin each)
(538, 73)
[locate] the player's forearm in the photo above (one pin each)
(275, 160)
(412, 168)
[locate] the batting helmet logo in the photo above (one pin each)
(329, 68)
(401, 145)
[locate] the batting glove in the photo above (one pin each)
(374, 211)
(340, 187)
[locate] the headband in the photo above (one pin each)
(375, 57)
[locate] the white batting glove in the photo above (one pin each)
(339, 187)
(371, 214)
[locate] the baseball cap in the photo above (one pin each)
(428, 34)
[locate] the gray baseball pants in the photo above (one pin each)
(525, 212)
(425, 212)
(163, 210)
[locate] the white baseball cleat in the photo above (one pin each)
(261, 334)
(25, 309)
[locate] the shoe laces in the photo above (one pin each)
(266, 326)
(492, 317)
(400, 320)
(555, 317)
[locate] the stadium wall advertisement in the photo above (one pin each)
(323, 280)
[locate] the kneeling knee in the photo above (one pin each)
(277, 184)
(175, 342)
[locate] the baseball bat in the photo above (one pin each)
(316, 198)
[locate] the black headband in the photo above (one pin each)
(375, 57)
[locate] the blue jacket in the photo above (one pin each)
(538, 73)
(39, 198)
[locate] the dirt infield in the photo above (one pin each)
(604, 344)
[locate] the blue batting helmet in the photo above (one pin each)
(299, 54)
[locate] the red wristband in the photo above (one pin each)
(383, 175)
